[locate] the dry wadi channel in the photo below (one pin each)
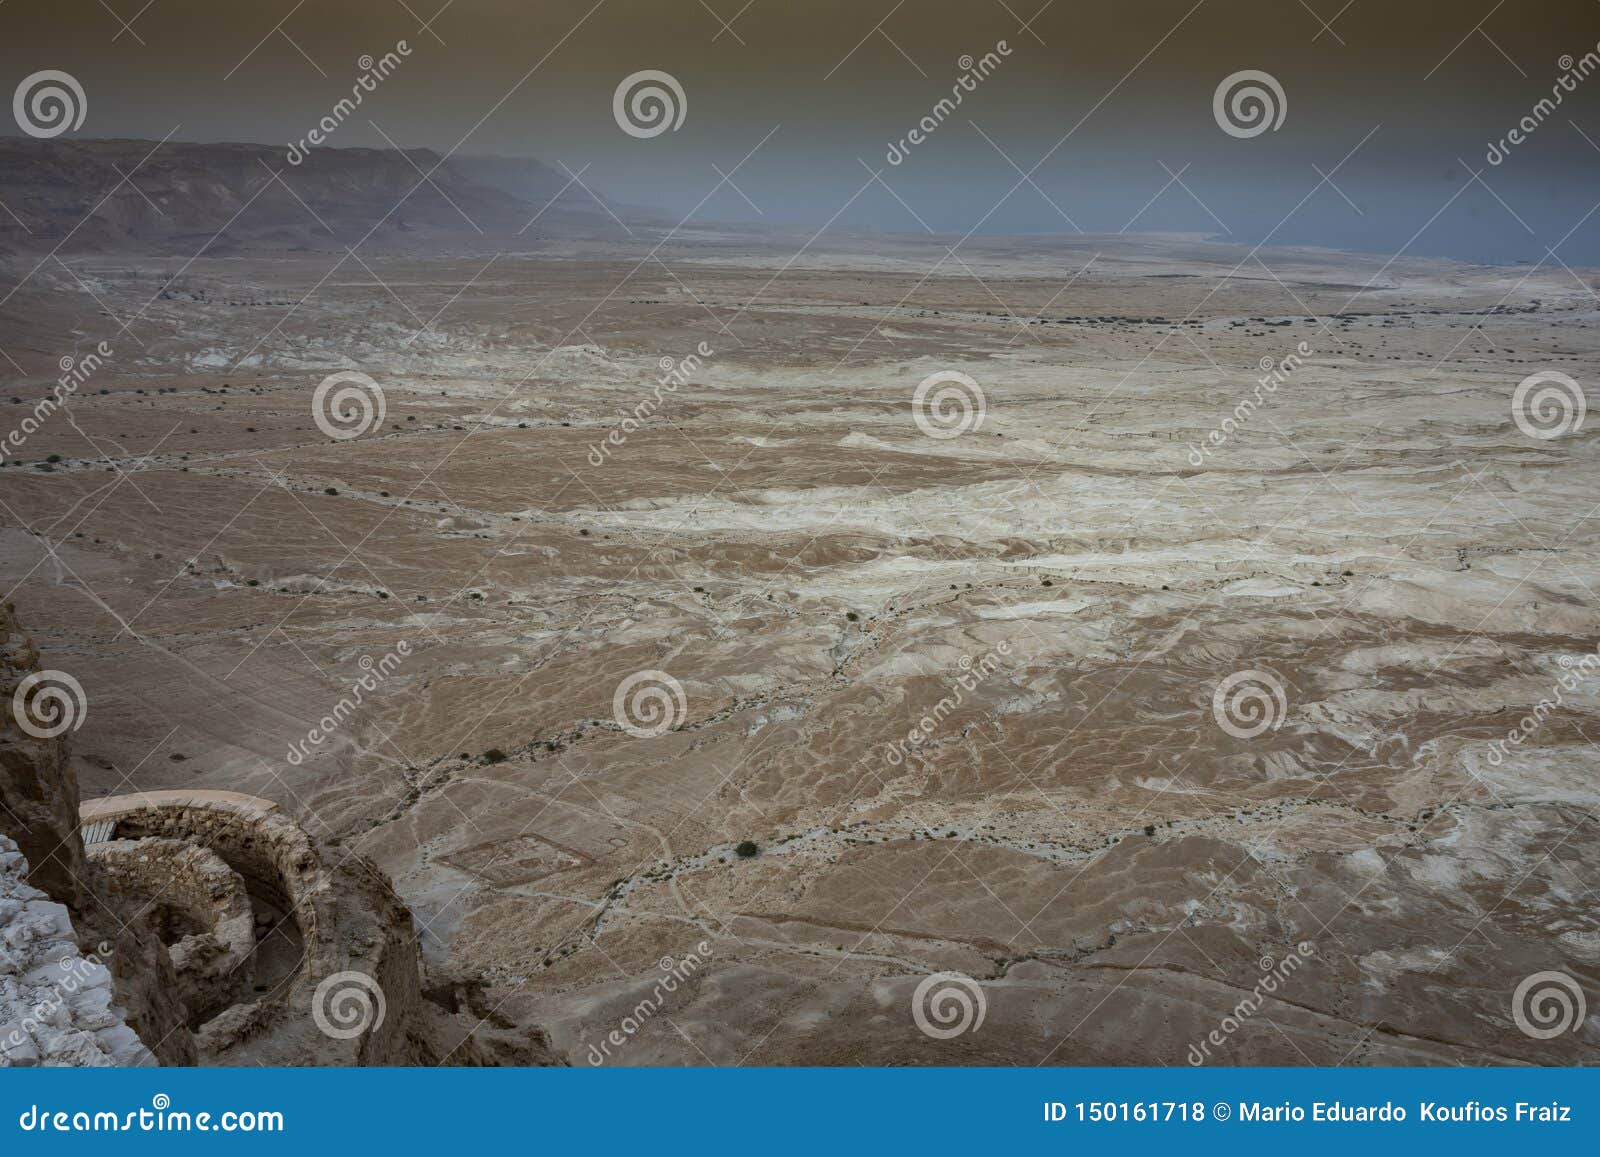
(954, 695)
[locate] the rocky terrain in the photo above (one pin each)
(743, 670)
(199, 926)
(55, 1000)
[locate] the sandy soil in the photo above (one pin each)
(1059, 592)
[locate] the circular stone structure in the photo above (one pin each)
(272, 933)
(201, 911)
(257, 914)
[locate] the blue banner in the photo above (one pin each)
(801, 1111)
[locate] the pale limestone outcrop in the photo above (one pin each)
(56, 1002)
(39, 812)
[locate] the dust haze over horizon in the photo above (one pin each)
(1107, 112)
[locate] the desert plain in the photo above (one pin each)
(802, 693)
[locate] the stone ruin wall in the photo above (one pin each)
(201, 910)
(183, 888)
(39, 814)
(343, 912)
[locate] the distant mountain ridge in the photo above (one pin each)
(93, 196)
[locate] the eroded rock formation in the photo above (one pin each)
(201, 927)
(56, 1000)
(39, 812)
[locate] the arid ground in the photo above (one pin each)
(957, 696)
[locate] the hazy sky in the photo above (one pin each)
(1121, 92)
